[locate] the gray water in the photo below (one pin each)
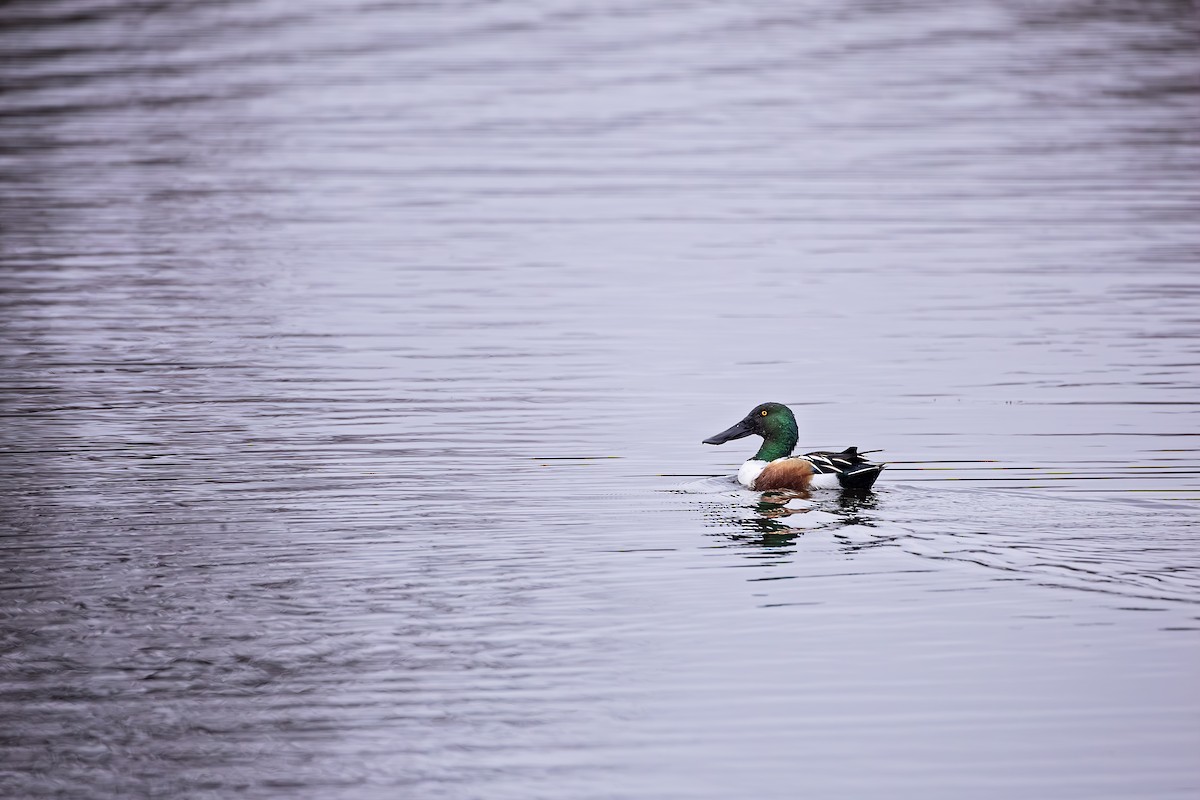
(357, 355)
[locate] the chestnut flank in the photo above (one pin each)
(786, 473)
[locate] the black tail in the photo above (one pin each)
(860, 477)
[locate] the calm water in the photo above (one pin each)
(356, 358)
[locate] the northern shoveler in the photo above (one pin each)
(774, 466)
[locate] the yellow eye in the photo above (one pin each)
(764, 413)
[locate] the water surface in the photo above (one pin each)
(357, 358)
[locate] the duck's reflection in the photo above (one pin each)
(779, 518)
(855, 508)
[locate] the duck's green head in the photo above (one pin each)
(775, 422)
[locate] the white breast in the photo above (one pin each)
(749, 471)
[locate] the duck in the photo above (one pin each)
(774, 466)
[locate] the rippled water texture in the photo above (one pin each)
(357, 355)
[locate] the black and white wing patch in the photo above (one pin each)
(852, 469)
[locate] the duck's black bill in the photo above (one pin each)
(736, 432)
